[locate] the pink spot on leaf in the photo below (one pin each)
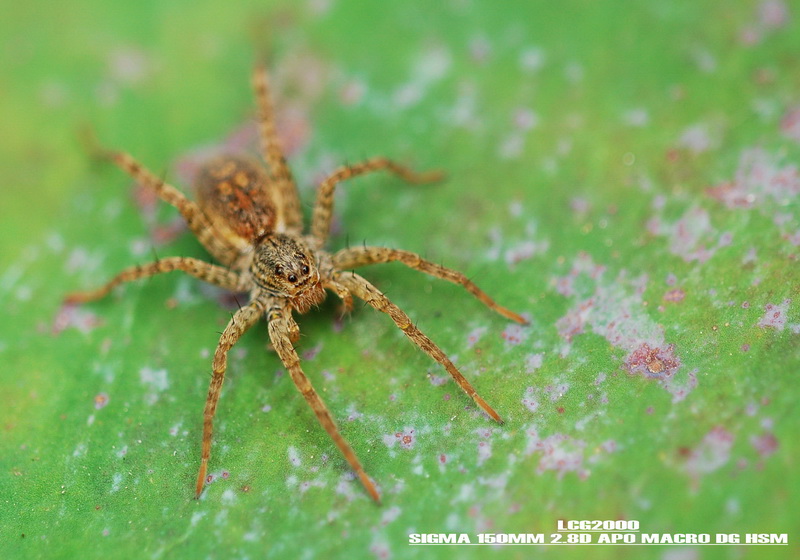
(775, 315)
(101, 400)
(71, 315)
(790, 124)
(765, 444)
(475, 335)
(653, 362)
(676, 295)
(514, 334)
(710, 454)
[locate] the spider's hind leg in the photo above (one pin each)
(362, 289)
(272, 151)
(198, 223)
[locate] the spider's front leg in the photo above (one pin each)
(323, 208)
(353, 257)
(280, 329)
(343, 293)
(362, 289)
(241, 321)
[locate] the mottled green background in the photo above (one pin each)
(624, 173)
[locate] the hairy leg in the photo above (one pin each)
(202, 228)
(273, 152)
(372, 296)
(279, 329)
(207, 272)
(241, 321)
(323, 209)
(361, 256)
(343, 293)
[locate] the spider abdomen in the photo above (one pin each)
(233, 192)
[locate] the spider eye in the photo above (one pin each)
(292, 278)
(305, 269)
(279, 270)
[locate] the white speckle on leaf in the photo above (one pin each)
(711, 453)
(530, 399)
(484, 451)
(294, 456)
(696, 138)
(512, 146)
(116, 482)
(129, 65)
(773, 14)
(433, 64)
(531, 59)
(533, 362)
(574, 72)
(705, 60)
(345, 488)
(636, 117)
(775, 315)
(514, 334)
(228, 497)
(156, 379)
(390, 515)
(480, 49)
(466, 493)
(475, 335)
(380, 549)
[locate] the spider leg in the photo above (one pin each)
(273, 152)
(361, 288)
(360, 256)
(279, 329)
(343, 293)
(323, 209)
(197, 221)
(241, 321)
(207, 272)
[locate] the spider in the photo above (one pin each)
(249, 218)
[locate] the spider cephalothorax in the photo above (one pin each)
(248, 217)
(284, 266)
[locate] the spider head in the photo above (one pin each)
(284, 265)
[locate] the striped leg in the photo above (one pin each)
(202, 228)
(360, 256)
(273, 152)
(372, 296)
(207, 272)
(323, 209)
(241, 321)
(280, 327)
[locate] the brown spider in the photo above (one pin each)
(249, 219)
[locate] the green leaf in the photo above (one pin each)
(625, 175)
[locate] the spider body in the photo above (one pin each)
(248, 217)
(233, 192)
